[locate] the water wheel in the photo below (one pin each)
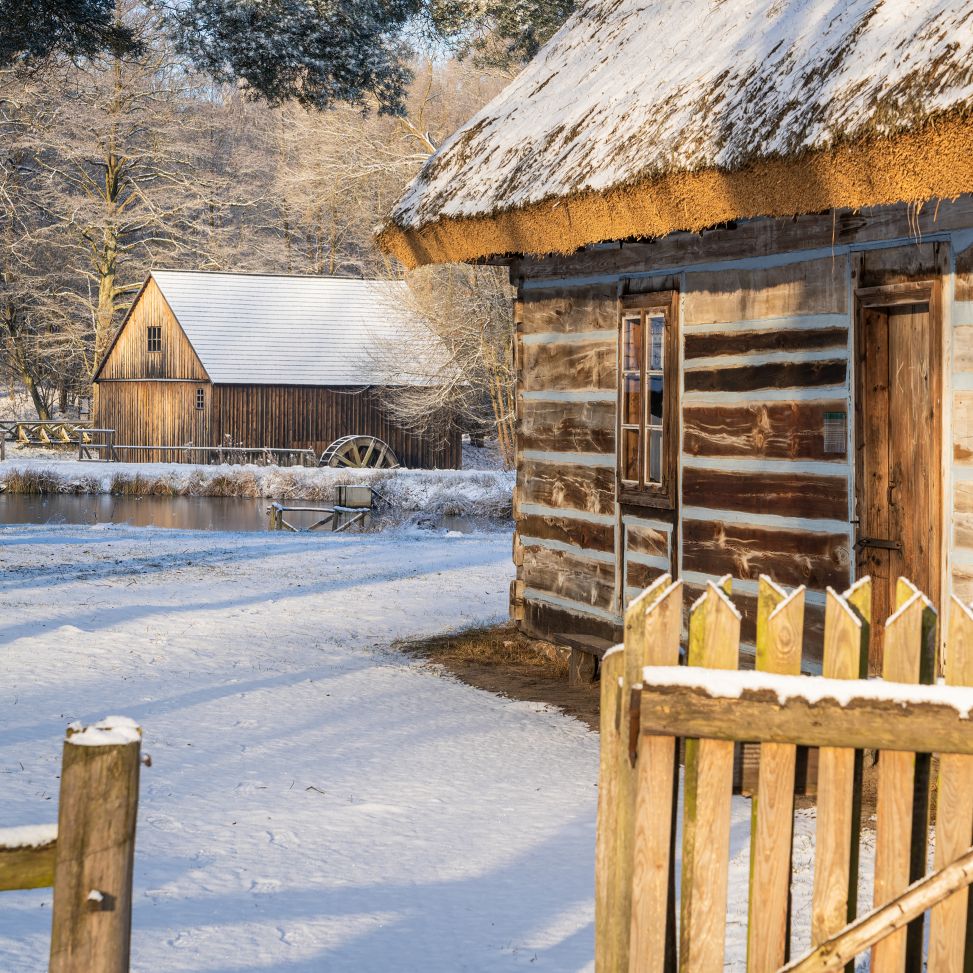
(359, 451)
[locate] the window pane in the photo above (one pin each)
(655, 456)
(632, 406)
(632, 353)
(657, 331)
(655, 400)
(630, 454)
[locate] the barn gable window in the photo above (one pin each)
(647, 403)
(154, 332)
(200, 398)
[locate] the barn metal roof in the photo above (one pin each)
(259, 329)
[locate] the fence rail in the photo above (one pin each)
(89, 856)
(650, 703)
(205, 455)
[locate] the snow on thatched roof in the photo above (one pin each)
(641, 117)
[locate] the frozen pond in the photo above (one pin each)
(179, 513)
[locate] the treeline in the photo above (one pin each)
(121, 163)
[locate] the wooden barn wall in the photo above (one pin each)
(154, 413)
(130, 357)
(307, 417)
(766, 315)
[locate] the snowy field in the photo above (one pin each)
(316, 801)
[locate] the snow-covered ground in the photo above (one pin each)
(316, 800)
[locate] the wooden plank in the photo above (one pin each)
(892, 266)
(754, 238)
(635, 650)
(608, 931)
(895, 853)
(582, 427)
(587, 488)
(769, 430)
(834, 894)
(543, 620)
(791, 557)
(642, 539)
(776, 375)
(802, 495)
(703, 928)
(566, 311)
(641, 575)
(697, 626)
(27, 867)
(780, 631)
(889, 919)
(569, 576)
(652, 936)
(964, 275)
(757, 715)
(710, 344)
(581, 533)
(95, 853)
(949, 929)
(571, 365)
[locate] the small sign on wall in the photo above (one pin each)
(836, 432)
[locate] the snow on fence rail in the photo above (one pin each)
(89, 856)
(649, 703)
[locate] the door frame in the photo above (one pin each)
(919, 291)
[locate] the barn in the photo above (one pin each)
(743, 254)
(257, 361)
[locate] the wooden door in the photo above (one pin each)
(898, 482)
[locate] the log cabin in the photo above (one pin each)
(260, 361)
(743, 254)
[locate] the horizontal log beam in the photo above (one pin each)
(804, 710)
(27, 867)
(870, 929)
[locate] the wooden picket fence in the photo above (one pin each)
(650, 703)
(89, 857)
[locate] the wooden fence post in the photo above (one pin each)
(694, 657)
(616, 826)
(949, 939)
(780, 637)
(702, 935)
(834, 894)
(652, 941)
(902, 805)
(92, 917)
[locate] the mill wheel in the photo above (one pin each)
(359, 451)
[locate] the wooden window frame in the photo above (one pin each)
(200, 400)
(153, 336)
(647, 494)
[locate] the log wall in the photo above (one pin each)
(767, 323)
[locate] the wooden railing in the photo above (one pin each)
(650, 703)
(89, 856)
(205, 455)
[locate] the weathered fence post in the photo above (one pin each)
(834, 894)
(780, 637)
(902, 803)
(652, 939)
(949, 925)
(92, 916)
(702, 932)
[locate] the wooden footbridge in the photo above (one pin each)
(657, 714)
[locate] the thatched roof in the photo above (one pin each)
(642, 117)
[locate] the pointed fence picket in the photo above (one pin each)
(650, 705)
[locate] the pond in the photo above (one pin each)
(179, 513)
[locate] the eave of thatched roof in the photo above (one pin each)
(639, 121)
